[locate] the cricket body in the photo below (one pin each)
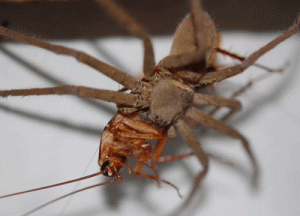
(153, 107)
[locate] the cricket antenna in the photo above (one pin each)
(54, 185)
(119, 177)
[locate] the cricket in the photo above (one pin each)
(174, 96)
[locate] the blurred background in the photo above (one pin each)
(73, 19)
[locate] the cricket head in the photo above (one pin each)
(110, 161)
(112, 164)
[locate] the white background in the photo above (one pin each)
(34, 153)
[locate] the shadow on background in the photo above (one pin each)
(84, 19)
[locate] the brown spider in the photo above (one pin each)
(150, 102)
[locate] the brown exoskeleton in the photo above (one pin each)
(163, 98)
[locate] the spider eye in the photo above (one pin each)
(104, 165)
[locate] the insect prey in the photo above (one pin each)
(165, 100)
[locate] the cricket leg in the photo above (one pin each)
(151, 177)
(233, 55)
(179, 157)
